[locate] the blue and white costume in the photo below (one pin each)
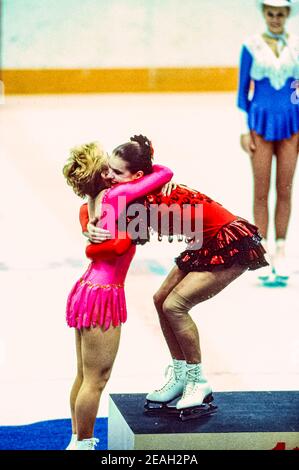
(273, 110)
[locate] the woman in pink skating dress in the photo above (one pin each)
(96, 305)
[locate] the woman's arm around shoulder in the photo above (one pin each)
(140, 187)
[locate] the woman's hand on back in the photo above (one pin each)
(168, 188)
(97, 234)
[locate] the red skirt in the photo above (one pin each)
(238, 242)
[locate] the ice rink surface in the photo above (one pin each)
(249, 334)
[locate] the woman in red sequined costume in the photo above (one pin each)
(230, 246)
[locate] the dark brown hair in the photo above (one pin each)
(138, 154)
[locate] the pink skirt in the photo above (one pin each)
(90, 304)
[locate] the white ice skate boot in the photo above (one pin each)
(72, 443)
(282, 269)
(174, 387)
(281, 263)
(197, 395)
(87, 444)
(266, 274)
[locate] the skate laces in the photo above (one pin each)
(169, 371)
(175, 372)
(169, 374)
(193, 375)
(172, 374)
(192, 379)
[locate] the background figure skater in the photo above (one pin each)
(96, 305)
(230, 246)
(271, 61)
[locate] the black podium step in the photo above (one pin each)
(244, 420)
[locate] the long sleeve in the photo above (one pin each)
(244, 79)
(243, 122)
(122, 194)
(83, 217)
(109, 248)
(118, 197)
(131, 191)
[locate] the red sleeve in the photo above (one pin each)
(109, 249)
(83, 217)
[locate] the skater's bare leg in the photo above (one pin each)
(261, 162)
(175, 383)
(287, 156)
(194, 288)
(78, 380)
(182, 334)
(173, 279)
(99, 349)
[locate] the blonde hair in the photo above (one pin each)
(84, 167)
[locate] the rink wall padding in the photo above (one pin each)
(119, 80)
(244, 421)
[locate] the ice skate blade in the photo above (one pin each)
(197, 412)
(281, 278)
(160, 409)
(278, 281)
(264, 278)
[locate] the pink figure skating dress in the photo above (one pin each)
(98, 297)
